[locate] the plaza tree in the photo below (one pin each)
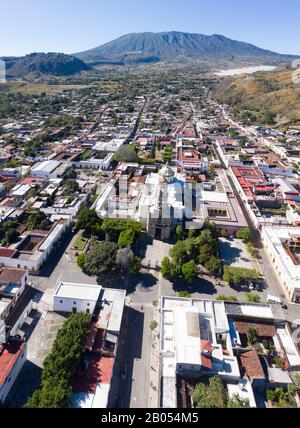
(101, 258)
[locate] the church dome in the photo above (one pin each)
(167, 174)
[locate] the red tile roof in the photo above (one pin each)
(264, 330)
(252, 366)
(6, 252)
(9, 355)
(11, 275)
(100, 370)
(206, 362)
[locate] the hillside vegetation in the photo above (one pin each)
(38, 64)
(268, 97)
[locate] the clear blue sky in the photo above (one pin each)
(76, 25)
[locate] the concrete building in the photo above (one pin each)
(49, 169)
(195, 340)
(76, 298)
(13, 283)
(283, 249)
(92, 386)
(94, 163)
(220, 206)
(155, 199)
(34, 248)
(12, 359)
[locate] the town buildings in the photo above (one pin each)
(283, 249)
(201, 338)
(92, 383)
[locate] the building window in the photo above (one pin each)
(88, 304)
(75, 303)
(61, 302)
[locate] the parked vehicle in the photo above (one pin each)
(252, 286)
(274, 299)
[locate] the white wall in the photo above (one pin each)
(10, 380)
(61, 304)
(22, 318)
(35, 264)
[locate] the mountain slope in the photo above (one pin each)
(262, 97)
(39, 64)
(180, 47)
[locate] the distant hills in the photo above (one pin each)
(41, 64)
(263, 97)
(179, 47)
(173, 47)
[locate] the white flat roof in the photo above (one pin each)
(99, 400)
(109, 146)
(20, 190)
(47, 166)
(117, 298)
(278, 236)
(215, 197)
(78, 291)
(257, 311)
(243, 390)
(52, 236)
(289, 347)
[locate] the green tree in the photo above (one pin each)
(126, 238)
(170, 270)
(279, 362)
(166, 267)
(126, 153)
(223, 298)
(101, 258)
(212, 395)
(213, 265)
(71, 186)
(190, 271)
(238, 276)
(236, 402)
(252, 336)
(184, 295)
(61, 364)
(81, 259)
(114, 227)
(11, 236)
(180, 233)
(124, 259)
(136, 264)
(179, 253)
(89, 222)
(224, 234)
(253, 298)
(245, 234)
(37, 220)
(71, 174)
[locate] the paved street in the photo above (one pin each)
(134, 390)
(137, 349)
(60, 268)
